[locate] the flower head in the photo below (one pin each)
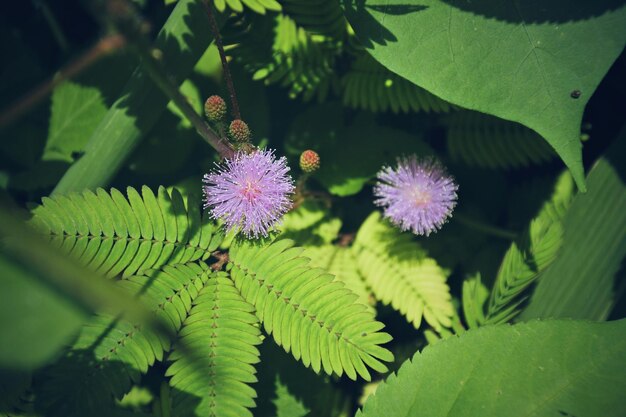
(418, 195)
(250, 192)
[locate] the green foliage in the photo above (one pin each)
(499, 58)
(485, 141)
(286, 387)
(323, 17)
(111, 353)
(310, 224)
(278, 51)
(182, 40)
(522, 265)
(222, 331)
(475, 294)
(324, 129)
(286, 404)
(135, 304)
(556, 373)
(36, 320)
(113, 234)
(259, 6)
(580, 283)
(400, 273)
(76, 110)
(342, 263)
(370, 86)
(307, 311)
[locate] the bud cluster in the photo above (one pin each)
(239, 131)
(215, 109)
(309, 161)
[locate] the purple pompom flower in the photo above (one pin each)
(250, 192)
(418, 195)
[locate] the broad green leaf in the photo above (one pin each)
(543, 368)
(183, 39)
(35, 321)
(323, 130)
(76, 110)
(580, 282)
(533, 62)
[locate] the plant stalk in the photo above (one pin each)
(220, 47)
(154, 70)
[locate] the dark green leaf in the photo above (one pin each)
(580, 282)
(35, 320)
(533, 62)
(548, 369)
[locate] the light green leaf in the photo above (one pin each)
(547, 369)
(580, 282)
(401, 274)
(524, 61)
(310, 224)
(342, 263)
(76, 110)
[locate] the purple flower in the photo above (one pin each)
(249, 192)
(417, 195)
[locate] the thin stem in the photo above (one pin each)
(485, 228)
(170, 89)
(220, 47)
(30, 99)
(55, 28)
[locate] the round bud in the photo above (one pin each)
(309, 161)
(215, 108)
(239, 131)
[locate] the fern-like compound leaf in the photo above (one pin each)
(324, 17)
(525, 261)
(116, 235)
(486, 141)
(111, 353)
(370, 86)
(258, 6)
(475, 294)
(278, 51)
(307, 311)
(521, 266)
(221, 333)
(400, 274)
(341, 262)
